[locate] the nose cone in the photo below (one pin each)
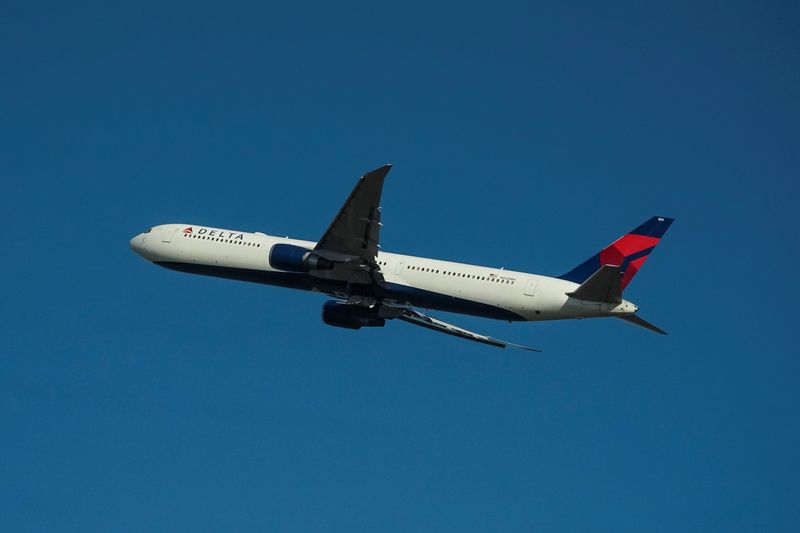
(138, 244)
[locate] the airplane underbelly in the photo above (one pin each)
(429, 298)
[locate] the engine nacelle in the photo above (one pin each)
(342, 315)
(293, 258)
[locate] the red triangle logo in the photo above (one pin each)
(188, 230)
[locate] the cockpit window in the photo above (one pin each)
(148, 230)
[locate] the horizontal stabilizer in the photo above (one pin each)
(633, 319)
(602, 286)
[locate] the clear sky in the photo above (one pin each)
(133, 398)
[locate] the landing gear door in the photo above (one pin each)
(166, 235)
(530, 287)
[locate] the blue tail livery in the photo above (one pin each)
(629, 252)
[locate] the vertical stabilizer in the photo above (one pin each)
(629, 252)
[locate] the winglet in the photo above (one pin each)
(378, 172)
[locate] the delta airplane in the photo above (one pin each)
(371, 286)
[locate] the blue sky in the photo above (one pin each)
(526, 136)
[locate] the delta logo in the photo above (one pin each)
(215, 233)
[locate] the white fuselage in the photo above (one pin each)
(409, 280)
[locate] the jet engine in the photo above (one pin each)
(293, 258)
(343, 315)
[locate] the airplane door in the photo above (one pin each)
(398, 270)
(530, 287)
(166, 235)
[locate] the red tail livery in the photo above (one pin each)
(629, 252)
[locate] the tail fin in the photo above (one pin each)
(629, 252)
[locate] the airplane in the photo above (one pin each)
(370, 286)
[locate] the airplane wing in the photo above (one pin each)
(413, 316)
(351, 240)
(355, 231)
